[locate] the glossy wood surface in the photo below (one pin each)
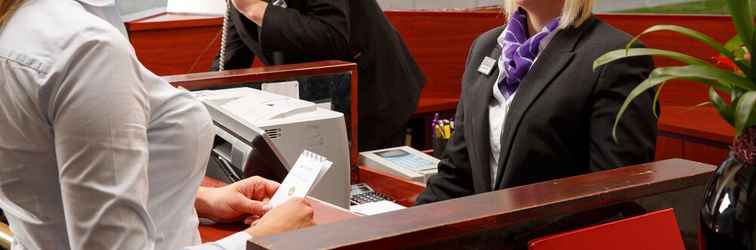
(443, 220)
(231, 78)
(163, 21)
(227, 78)
(400, 190)
(324, 213)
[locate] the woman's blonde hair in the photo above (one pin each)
(7, 8)
(574, 12)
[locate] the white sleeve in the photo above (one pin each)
(237, 241)
(99, 112)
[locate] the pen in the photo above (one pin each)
(447, 131)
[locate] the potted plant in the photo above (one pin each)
(727, 216)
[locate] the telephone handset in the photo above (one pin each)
(277, 56)
(224, 34)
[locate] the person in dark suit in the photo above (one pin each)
(295, 31)
(533, 109)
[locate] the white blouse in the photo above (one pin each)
(498, 108)
(96, 152)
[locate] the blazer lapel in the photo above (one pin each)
(548, 66)
(481, 96)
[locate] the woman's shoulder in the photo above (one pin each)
(602, 36)
(55, 26)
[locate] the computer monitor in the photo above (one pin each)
(263, 158)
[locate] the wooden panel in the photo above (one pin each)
(668, 148)
(452, 218)
(164, 21)
(259, 74)
(439, 42)
(697, 134)
(169, 43)
(177, 51)
(402, 191)
(703, 123)
(707, 153)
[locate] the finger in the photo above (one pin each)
(257, 188)
(267, 188)
(248, 206)
(250, 219)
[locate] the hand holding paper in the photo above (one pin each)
(305, 174)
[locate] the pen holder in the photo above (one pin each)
(439, 146)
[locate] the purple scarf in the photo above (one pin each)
(519, 51)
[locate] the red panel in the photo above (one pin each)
(176, 51)
(652, 231)
(668, 148)
(439, 42)
(705, 153)
(703, 123)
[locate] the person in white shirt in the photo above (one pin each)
(97, 152)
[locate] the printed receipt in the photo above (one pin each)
(305, 174)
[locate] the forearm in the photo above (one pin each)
(202, 202)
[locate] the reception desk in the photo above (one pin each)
(448, 221)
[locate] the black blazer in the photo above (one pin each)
(559, 123)
(309, 30)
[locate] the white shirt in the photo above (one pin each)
(498, 108)
(96, 152)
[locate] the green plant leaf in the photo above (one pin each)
(742, 18)
(615, 55)
(744, 111)
(725, 110)
(656, 99)
(734, 44)
(701, 37)
(702, 74)
(717, 77)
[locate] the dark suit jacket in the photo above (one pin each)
(559, 123)
(352, 30)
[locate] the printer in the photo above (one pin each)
(292, 125)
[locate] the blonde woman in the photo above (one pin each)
(99, 153)
(533, 109)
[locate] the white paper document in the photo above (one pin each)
(373, 208)
(305, 174)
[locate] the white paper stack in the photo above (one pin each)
(305, 174)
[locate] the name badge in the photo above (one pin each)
(487, 66)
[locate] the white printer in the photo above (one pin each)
(293, 126)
